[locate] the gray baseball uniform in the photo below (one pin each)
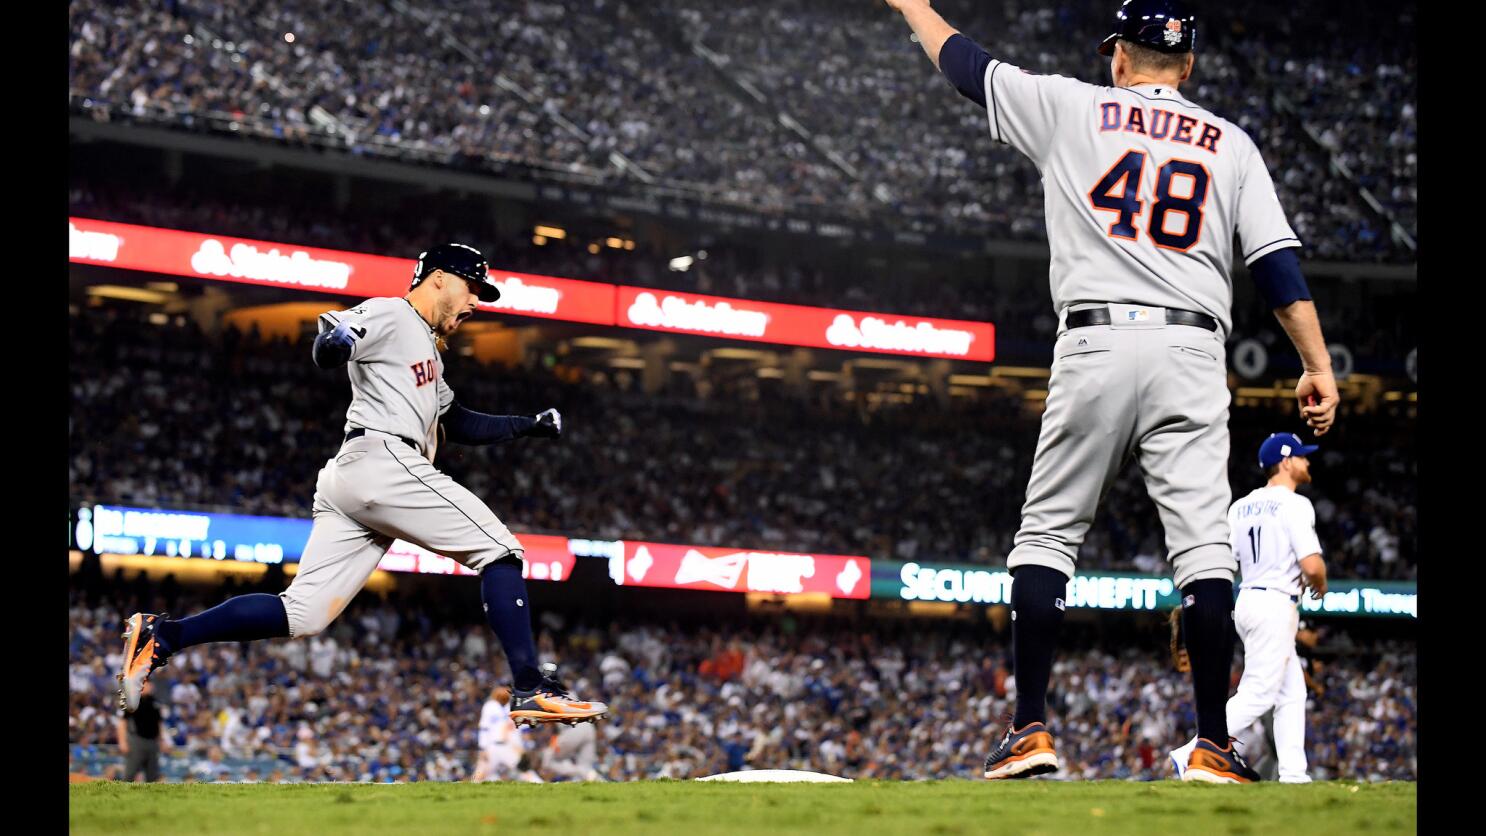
(1143, 192)
(382, 485)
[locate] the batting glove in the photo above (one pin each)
(549, 425)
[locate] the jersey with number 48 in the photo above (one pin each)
(1273, 529)
(1144, 190)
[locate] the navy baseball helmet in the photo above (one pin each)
(460, 260)
(1162, 25)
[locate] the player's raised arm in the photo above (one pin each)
(931, 29)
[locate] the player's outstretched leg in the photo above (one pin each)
(538, 696)
(1036, 615)
(150, 639)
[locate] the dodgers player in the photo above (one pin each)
(381, 485)
(1144, 192)
(499, 740)
(1274, 537)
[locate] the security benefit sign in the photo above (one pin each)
(965, 584)
(742, 570)
(985, 585)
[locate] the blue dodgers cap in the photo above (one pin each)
(1281, 445)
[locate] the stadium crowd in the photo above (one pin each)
(564, 85)
(166, 415)
(392, 692)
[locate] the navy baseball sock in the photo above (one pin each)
(1036, 615)
(506, 608)
(1207, 623)
(240, 619)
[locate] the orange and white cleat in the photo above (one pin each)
(1023, 753)
(142, 656)
(550, 702)
(1213, 765)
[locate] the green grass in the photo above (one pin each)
(865, 808)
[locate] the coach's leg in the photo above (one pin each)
(424, 506)
(1085, 437)
(1183, 450)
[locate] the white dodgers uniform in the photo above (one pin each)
(1274, 528)
(499, 740)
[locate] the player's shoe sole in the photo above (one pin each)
(139, 658)
(1036, 763)
(1200, 775)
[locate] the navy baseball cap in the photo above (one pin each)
(1281, 445)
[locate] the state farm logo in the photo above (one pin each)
(244, 261)
(93, 246)
(516, 295)
(899, 336)
(675, 312)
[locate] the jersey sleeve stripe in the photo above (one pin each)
(1266, 249)
(991, 97)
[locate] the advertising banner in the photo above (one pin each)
(741, 570)
(962, 584)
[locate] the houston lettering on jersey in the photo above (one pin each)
(425, 372)
(1157, 123)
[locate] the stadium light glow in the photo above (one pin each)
(132, 294)
(554, 232)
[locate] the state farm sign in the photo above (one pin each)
(547, 558)
(742, 570)
(742, 319)
(246, 261)
(675, 313)
(175, 252)
(218, 257)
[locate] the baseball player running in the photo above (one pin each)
(381, 485)
(1144, 192)
(1274, 537)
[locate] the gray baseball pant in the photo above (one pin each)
(375, 490)
(1136, 387)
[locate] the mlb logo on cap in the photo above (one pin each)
(1280, 446)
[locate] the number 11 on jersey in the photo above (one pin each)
(1125, 174)
(1256, 537)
